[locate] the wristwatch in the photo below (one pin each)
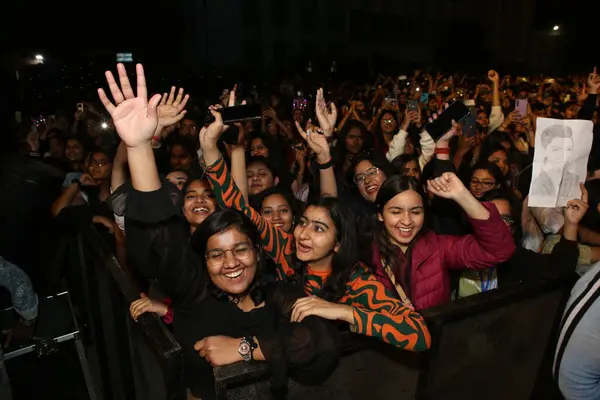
(246, 347)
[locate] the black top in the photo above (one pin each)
(158, 244)
(527, 265)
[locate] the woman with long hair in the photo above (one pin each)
(321, 254)
(414, 260)
(226, 310)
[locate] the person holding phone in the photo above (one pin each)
(397, 145)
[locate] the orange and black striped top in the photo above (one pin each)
(376, 312)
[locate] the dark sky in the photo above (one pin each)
(70, 26)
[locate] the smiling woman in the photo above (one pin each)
(226, 309)
(414, 261)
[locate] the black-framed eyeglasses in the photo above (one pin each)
(483, 184)
(369, 173)
(216, 258)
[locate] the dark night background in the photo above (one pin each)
(193, 43)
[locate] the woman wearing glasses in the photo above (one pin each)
(485, 176)
(226, 308)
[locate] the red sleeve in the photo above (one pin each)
(490, 244)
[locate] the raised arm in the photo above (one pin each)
(276, 243)
(489, 245)
(317, 141)
(157, 241)
(135, 120)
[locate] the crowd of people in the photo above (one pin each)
(249, 236)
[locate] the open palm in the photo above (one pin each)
(316, 141)
(135, 118)
(326, 117)
(171, 108)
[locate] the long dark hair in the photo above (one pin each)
(378, 132)
(221, 221)
(392, 187)
(346, 259)
(340, 150)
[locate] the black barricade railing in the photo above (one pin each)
(131, 361)
(488, 346)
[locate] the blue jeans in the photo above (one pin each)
(579, 371)
(23, 298)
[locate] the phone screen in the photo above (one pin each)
(413, 105)
(469, 124)
(521, 107)
(456, 111)
(424, 98)
(237, 114)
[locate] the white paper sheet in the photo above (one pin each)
(562, 148)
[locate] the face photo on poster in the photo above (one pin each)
(562, 149)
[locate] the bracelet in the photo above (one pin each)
(327, 165)
(158, 141)
(442, 150)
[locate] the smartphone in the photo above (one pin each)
(456, 111)
(413, 105)
(80, 107)
(469, 124)
(424, 98)
(233, 114)
(521, 107)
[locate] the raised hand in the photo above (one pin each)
(576, 208)
(446, 137)
(209, 135)
(171, 108)
(316, 140)
(447, 186)
(326, 117)
(493, 76)
(594, 82)
(134, 117)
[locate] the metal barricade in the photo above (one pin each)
(129, 360)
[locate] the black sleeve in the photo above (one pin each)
(309, 350)
(559, 264)
(75, 218)
(158, 245)
(589, 105)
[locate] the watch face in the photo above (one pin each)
(244, 348)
